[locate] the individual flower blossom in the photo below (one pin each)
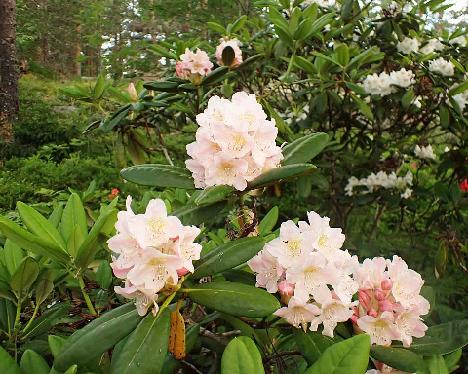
(461, 98)
(432, 45)
(408, 45)
(464, 185)
(402, 78)
(442, 67)
(390, 305)
(150, 251)
(298, 312)
(234, 44)
(193, 65)
(407, 193)
(417, 102)
(459, 40)
(424, 152)
(268, 270)
(113, 194)
(234, 144)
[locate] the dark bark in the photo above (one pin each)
(9, 102)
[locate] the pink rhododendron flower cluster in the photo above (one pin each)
(234, 144)
(307, 266)
(390, 304)
(193, 65)
(234, 44)
(323, 284)
(150, 252)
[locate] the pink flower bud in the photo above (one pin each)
(286, 288)
(354, 318)
(364, 299)
(386, 285)
(182, 271)
(385, 305)
(372, 313)
(380, 295)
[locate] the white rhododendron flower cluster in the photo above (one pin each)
(317, 281)
(384, 84)
(424, 152)
(150, 252)
(307, 266)
(433, 45)
(193, 65)
(381, 180)
(390, 305)
(322, 3)
(408, 45)
(234, 44)
(442, 67)
(235, 143)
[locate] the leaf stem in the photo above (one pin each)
(89, 304)
(36, 309)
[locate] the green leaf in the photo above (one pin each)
(24, 276)
(356, 88)
(347, 9)
(399, 358)
(305, 64)
(88, 249)
(249, 61)
(227, 256)
(31, 362)
(7, 363)
(158, 176)
(349, 356)
(146, 348)
(459, 89)
(268, 222)
(73, 218)
(215, 76)
(238, 23)
(43, 289)
(304, 149)
(213, 194)
(196, 215)
(444, 115)
(75, 240)
(442, 339)
(166, 86)
(97, 337)
(31, 242)
(99, 87)
(236, 299)
(48, 319)
(451, 360)
(319, 24)
(104, 275)
(13, 256)
(312, 344)
(363, 107)
(56, 215)
(436, 365)
(407, 98)
(39, 225)
(241, 356)
(276, 175)
(342, 54)
(116, 118)
(56, 344)
(216, 27)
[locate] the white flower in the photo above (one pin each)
(409, 325)
(378, 84)
(424, 152)
(298, 312)
(408, 45)
(407, 193)
(461, 99)
(417, 102)
(432, 46)
(322, 3)
(402, 78)
(442, 67)
(460, 40)
(234, 144)
(382, 329)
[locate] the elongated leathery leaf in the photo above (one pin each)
(97, 337)
(236, 299)
(304, 149)
(159, 176)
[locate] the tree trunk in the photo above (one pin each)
(9, 102)
(77, 53)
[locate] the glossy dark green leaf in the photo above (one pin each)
(196, 215)
(31, 362)
(115, 119)
(166, 86)
(215, 76)
(104, 275)
(48, 319)
(158, 176)
(304, 149)
(13, 255)
(7, 363)
(436, 365)
(97, 337)
(342, 54)
(399, 358)
(349, 356)
(39, 225)
(228, 256)
(145, 349)
(444, 115)
(282, 173)
(236, 299)
(364, 108)
(241, 356)
(73, 218)
(214, 194)
(24, 276)
(312, 344)
(268, 222)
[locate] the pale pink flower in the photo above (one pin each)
(234, 44)
(187, 250)
(298, 312)
(228, 171)
(381, 329)
(409, 325)
(144, 299)
(371, 273)
(195, 62)
(268, 270)
(234, 142)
